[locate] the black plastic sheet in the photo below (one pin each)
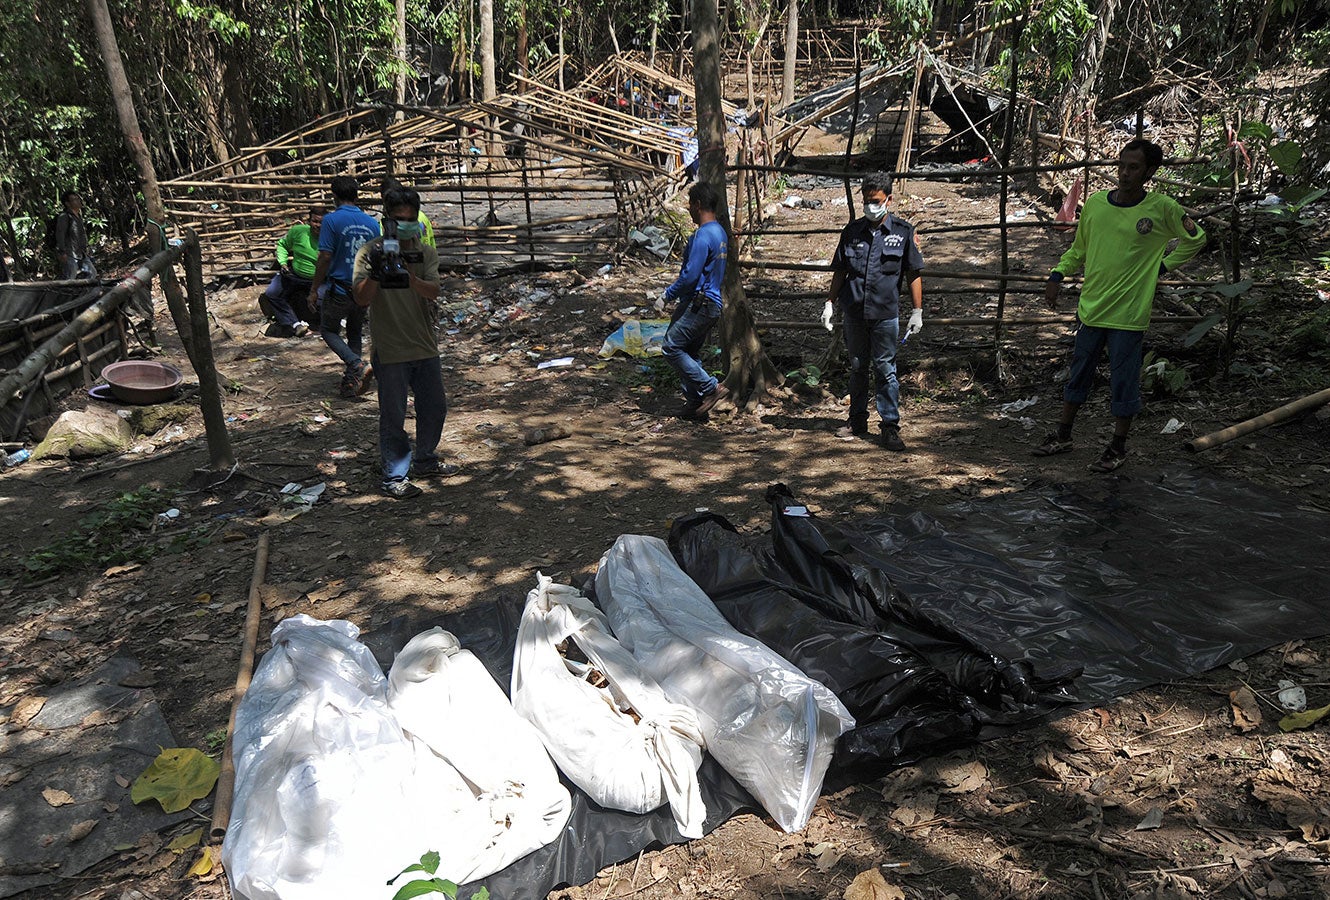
(1132, 580)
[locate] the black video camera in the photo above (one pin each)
(392, 269)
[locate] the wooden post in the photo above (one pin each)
(1007, 138)
(530, 231)
(849, 140)
(210, 396)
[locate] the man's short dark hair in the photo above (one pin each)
(705, 195)
(878, 181)
(387, 184)
(397, 197)
(65, 195)
(1153, 153)
(345, 188)
(318, 209)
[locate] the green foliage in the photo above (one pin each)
(808, 376)
(1049, 43)
(120, 532)
(1161, 377)
(1311, 337)
(429, 864)
(906, 23)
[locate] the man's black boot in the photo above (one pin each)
(891, 438)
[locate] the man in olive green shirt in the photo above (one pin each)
(285, 300)
(396, 278)
(1121, 240)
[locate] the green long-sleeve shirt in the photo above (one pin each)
(299, 249)
(1122, 249)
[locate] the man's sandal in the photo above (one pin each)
(1052, 446)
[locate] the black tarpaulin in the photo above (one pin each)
(1128, 580)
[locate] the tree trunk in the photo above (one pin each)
(750, 371)
(1087, 61)
(399, 47)
(210, 395)
(129, 125)
(523, 42)
(488, 88)
(791, 53)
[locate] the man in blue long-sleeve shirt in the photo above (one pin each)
(697, 293)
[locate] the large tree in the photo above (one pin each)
(750, 371)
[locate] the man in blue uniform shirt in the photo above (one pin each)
(341, 235)
(877, 256)
(697, 293)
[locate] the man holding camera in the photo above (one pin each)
(397, 279)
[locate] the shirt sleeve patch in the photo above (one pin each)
(1189, 225)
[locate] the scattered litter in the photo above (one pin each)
(322, 419)
(556, 363)
(605, 270)
(1153, 819)
(1017, 405)
(545, 435)
(651, 239)
(793, 201)
(1172, 427)
(1292, 697)
(1270, 200)
(166, 518)
(627, 310)
(17, 458)
(301, 496)
(637, 338)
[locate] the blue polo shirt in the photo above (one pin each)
(343, 232)
(876, 260)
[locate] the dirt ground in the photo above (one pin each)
(1156, 795)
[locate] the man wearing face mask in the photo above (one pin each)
(397, 279)
(877, 258)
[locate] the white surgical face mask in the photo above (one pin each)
(875, 211)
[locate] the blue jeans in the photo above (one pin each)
(1124, 367)
(288, 295)
(689, 327)
(337, 306)
(872, 342)
(424, 379)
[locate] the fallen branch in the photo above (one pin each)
(1273, 417)
(221, 815)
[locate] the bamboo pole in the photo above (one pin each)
(985, 322)
(221, 811)
(1273, 417)
(849, 139)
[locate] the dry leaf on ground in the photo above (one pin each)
(1246, 712)
(825, 855)
(870, 885)
(79, 830)
(57, 797)
(25, 710)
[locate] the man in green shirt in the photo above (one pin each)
(1121, 240)
(396, 278)
(286, 299)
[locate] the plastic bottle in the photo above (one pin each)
(18, 457)
(605, 269)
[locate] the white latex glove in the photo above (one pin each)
(916, 323)
(826, 316)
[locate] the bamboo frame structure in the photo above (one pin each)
(544, 178)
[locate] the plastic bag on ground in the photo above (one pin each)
(320, 806)
(769, 725)
(621, 762)
(442, 696)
